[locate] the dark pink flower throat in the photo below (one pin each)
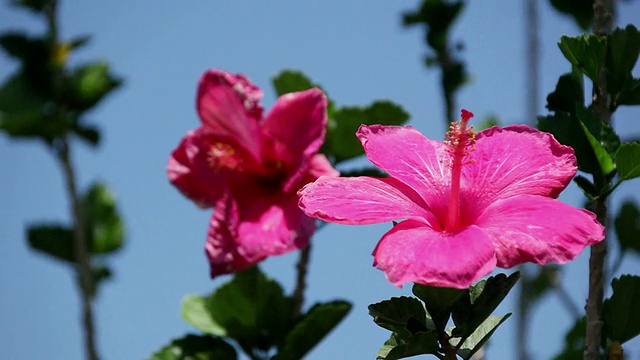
(460, 141)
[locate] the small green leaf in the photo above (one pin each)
(620, 312)
(251, 309)
(90, 134)
(370, 171)
(586, 52)
(397, 313)
(568, 131)
(480, 336)
(194, 347)
(569, 92)
(627, 225)
(89, 84)
(99, 273)
(438, 302)
(103, 220)
(630, 94)
(36, 6)
(312, 328)
(628, 161)
(624, 48)
(604, 159)
(288, 81)
(52, 239)
(483, 298)
(580, 10)
(17, 95)
(399, 347)
(488, 122)
(194, 311)
(587, 187)
(342, 143)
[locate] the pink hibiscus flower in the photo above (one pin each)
(470, 204)
(250, 168)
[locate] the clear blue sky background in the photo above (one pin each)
(357, 50)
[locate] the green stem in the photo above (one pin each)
(301, 284)
(80, 240)
(604, 11)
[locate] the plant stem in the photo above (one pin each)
(301, 284)
(602, 25)
(83, 269)
(80, 241)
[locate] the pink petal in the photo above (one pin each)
(410, 157)
(228, 107)
(295, 128)
(538, 229)
(190, 170)
(516, 160)
(222, 246)
(362, 200)
(413, 252)
(318, 166)
(245, 230)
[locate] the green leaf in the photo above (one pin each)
(483, 298)
(602, 156)
(580, 10)
(402, 315)
(341, 142)
(194, 347)
(587, 187)
(480, 336)
(103, 220)
(399, 347)
(586, 52)
(574, 342)
(52, 239)
(488, 122)
(624, 48)
(90, 134)
(17, 95)
(312, 328)
(99, 273)
(370, 171)
(194, 311)
(628, 161)
(89, 84)
(568, 131)
(438, 302)
(627, 225)
(569, 92)
(251, 309)
(620, 312)
(630, 94)
(288, 81)
(36, 6)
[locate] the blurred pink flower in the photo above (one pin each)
(469, 204)
(250, 168)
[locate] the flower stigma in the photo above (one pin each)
(460, 141)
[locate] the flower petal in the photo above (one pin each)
(228, 107)
(295, 129)
(413, 252)
(538, 229)
(516, 160)
(190, 170)
(362, 200)
(222, 246)
(410, 157)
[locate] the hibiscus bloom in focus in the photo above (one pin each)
(469, 204)
(249, 168)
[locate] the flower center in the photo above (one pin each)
(222, 155)
(460, 141)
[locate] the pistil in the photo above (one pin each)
(460, 140)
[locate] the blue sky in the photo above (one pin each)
(357, 50)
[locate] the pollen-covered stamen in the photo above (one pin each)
(223, 155)
(460, 141)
